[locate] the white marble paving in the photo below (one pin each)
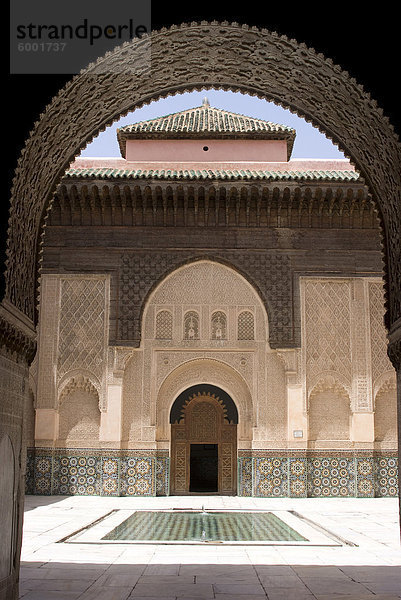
(53, 570)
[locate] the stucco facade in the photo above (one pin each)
(261, 280)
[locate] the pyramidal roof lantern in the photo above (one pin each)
(205, 122)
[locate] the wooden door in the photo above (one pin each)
(203, 422)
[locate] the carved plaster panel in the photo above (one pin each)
(132, 421)
(378, 339)
(83, 324)
(73, 334)
(361, 398)
(79, 382)
(387, 382)
(83, 328)
(272, 409)
(204, 282)
(117, 358)
(326, 328)
(292, 363)
(204, 371)
(48, 341)
(329, 383)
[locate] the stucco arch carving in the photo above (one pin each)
(385, 383)
(195, 56)
(78, 379)
(207, 371)
(329, 380)
(329, 383)
(194, 280)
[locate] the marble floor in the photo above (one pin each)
(363, 564)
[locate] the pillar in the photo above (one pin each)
(297, 418)
(46, 425)
(17, 350)
(362, 427)
(394, 353)
(110, 420)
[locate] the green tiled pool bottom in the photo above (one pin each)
(204, 527)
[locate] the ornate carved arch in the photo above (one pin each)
(79, 380)
(209, 371)
(203, 425)
(175, 264)
(339, 405)
(330, 381)
(218, 325)
(386, 382)
(195, 56)
(164, 325)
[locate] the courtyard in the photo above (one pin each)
(353, 553)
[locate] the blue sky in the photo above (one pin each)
(309, 142)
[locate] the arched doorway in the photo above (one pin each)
(203, 442)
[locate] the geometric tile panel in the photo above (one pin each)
(109, 475)
(43, 469)
(271, 477)
(162, 476)
(318, 475)
(137, 476)
(29, 474)
(76, 475)
(89, 472)
(386, 476)
(94, 472)
(365, 477)
(331, 476)
(245, 476)
(298, 477)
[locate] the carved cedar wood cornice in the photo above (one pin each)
(17, 338)
(240, 203)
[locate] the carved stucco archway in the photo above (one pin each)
(263, 300)
(208, 371)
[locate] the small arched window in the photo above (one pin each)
(191, 325)
(164, 325)
(246, 326)
(219, 325)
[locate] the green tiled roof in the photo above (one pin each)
(205, 122)
(226, 174)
